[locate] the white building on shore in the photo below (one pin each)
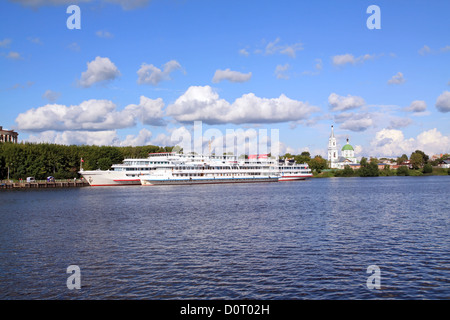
(347, 153)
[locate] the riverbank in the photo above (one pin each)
(337, 173)
(43, 184)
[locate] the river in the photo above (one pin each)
(310, 239)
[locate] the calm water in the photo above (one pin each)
(292, 240)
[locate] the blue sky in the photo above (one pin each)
(139, 71)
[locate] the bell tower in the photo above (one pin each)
(332, 150)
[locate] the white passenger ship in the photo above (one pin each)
(289, 170)
(196, 169)
(176, 168)
(128, 172)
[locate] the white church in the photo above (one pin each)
(347, 153)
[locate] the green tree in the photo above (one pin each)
(363, 162)
(402, 159)
(42, 160)
(104, 163)
(403, 171)
(424, 156)
(369, 169)
(428, 168)
(304, 157)
(348, 171)
(417, 160)
(386, 171)
(318, 163)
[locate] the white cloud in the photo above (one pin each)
(98, 70)
(104, 34)
(93, 115)
(358, 149)
(14, 55)
(344, 59)
(203, 104)
(100, 138)
(318, 68)
(391, 142)
(397, 79)
(417, 106)
(149, 74)
(319, 64)
(142, 139)
(273, 46)
(74, 47)
(281, 71)
(232, 76)
(148, 111)
(358, 123)
(125, 4)
(5, 43)
(348, 58)
(51, 96)
(340, 103)
(424, 50)
(443, 102)
(427, 50)
(21, 86)
(290, 50)
(35, 40)
(244, 52)
(396, 123)
(238, 141)
(130, 4)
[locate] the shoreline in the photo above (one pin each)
(43, 184)
(331, 173)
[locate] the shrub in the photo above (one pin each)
(403, 171)
(427, 168)
(370, 170)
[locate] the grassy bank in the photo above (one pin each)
(335, 173)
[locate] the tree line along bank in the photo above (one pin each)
(40, 160)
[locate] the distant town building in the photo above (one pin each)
(445, 163)
(347, 153)
(436, 156)
(8, 135)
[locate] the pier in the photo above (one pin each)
(4, 184)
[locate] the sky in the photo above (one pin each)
(145, 71)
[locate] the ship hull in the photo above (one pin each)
(99, 178)
(173, 181)
(294, 177)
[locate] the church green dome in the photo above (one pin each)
(347, 147)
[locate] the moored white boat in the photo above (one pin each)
(176, 168)
(128, 172)
(214, 169)
(289, 171)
